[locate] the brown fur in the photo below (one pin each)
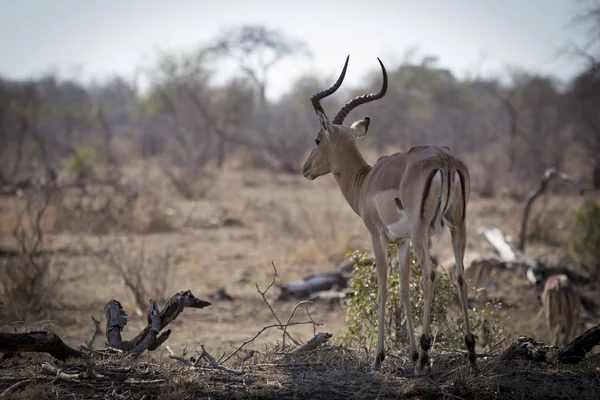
(562, 304)
(477, 271)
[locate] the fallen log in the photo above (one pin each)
(335, 280)
(501, 245)
(575, 351)
(529, 349)
(116, 319)
(37, 342)
(311, 284)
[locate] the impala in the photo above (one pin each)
(405, 197)
(561, 304)
(477, 271)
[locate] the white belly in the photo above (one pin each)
(399, 229)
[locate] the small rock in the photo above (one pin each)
(221, 294)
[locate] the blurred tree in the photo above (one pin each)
(113, 103)
(180, 102)
(19, 107)
(586, 86)
(234, 107)
(257, 50)
(586, 89)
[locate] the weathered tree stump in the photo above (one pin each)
(116, 319)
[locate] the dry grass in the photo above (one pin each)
(334, 372)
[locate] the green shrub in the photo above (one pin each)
(83, 161)
(447, 320)
(584, 242)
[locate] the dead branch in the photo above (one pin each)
(37, 342)
(174, 356)
(575, 351)
(496, 239)
(312, 284)
(549, 174)
(89, 374)
(148, 339)
(117, 319)
(214, 364)
(264, 297)
(90, 342)
(530, 349)
(154, 323)
(280, 326)
(14, 388)
(336, 279)
(318, 340)
(291, 316)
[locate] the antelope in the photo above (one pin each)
(477, 271)
(404, 198)
(561, 304)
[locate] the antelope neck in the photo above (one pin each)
(350, 169)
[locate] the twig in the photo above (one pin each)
(90, 342)
(307, 302)
(300, 364)
(89, 374)
(280, 326)
(264, 297)
(492, 347)
(181, 358)
(313, 321)
(213, 363)
(14, 388)
(316, 341)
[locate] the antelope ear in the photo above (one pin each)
(324, 123)
(361, 127)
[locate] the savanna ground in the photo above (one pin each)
(302, 228)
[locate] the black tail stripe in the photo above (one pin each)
(461, 176)
(426, 190)
(399, 204)
(449, 184)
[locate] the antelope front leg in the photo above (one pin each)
(404, 262)
(380, 245)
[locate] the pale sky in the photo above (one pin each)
(92, 38)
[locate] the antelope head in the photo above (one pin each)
(334, 137)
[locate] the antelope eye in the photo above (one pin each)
(317, 141)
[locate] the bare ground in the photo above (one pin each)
(303, 228)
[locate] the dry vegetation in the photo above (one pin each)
(223, 241)
(106, 193)
(335, 372)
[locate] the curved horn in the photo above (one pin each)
(316, 97)
(357, 101)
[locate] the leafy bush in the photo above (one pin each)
(584, 242)
(447, 320)
(83, 161)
